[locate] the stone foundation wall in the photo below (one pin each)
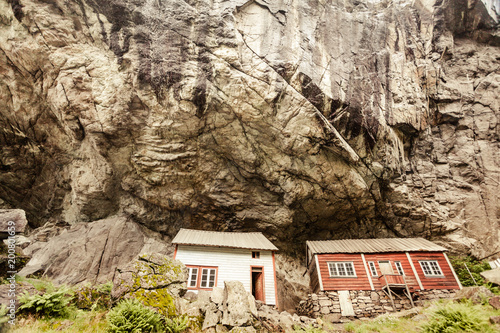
(366, 303)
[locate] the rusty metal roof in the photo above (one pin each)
(374, 245)
(242, 240)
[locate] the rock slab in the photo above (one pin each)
(90, 252)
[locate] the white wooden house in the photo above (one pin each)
(214, 257)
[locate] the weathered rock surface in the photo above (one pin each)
(475, 294)
(233, 308)
(13, 220)
(303, 119)
(150, 272)
(91, 252)
(154, 279)
(18, 289)
(495, 302)
(239, 307)
(492, 275)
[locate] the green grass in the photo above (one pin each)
(77, 321)
(43, 285)
(383, 324)
(438, 317)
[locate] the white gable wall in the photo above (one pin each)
(233, 265)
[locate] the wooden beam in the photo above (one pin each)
(368, 273)
(414, 271)
(319, 273)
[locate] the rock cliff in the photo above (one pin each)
(304, 119)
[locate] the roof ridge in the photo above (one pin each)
(241, 232)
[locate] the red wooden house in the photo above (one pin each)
(373, 264)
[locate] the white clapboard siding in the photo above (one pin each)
(495, 264)
(233, 265)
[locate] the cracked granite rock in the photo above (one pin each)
(304, 119)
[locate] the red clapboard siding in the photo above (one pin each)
(360, 282)
(446, 282)
(392, 257)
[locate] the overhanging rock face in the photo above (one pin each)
(301, 119)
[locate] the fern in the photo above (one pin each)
(131, 316)
(455, 317)
(176, 324)
(53, 304)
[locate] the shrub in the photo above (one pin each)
(50, 304)
(176, 324)
(132, 316)
(94, 297)
(494, 289)
(455, 317)
(475, 266)
(308, 329)
(3, 316)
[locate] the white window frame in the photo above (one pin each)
(190, 277)
(431, 268)
(337, 267)
(399, 267)
(373, 268)
(207, 283)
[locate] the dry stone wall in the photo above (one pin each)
(365, 303)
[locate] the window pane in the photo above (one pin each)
(212, 278)
(372, 268)
(333, 269)
(204, 278)
(400, 268)
(341, 269)
(435, 268)
(193, 276)
(426, 267)
(349, 269)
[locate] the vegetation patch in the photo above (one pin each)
(94, 297)
(464, 265)
(151, 280)
(49, 304)
(457, 317)
(131, 315)
(177, 324)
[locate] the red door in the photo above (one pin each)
(258, 283)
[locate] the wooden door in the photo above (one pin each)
(385, 267)
(258, 283)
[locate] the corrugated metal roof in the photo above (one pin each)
(242, 240)
(373, 245)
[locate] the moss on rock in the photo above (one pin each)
(153, 279)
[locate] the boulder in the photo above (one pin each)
(217, 295)
(495, 320)
(492, 275)
(475, 294)
(286, 321)
(333, 318)
(12, 222)
(90, 252)
(495, 302)
(154, 279)
(239, 306)
(212, 318)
